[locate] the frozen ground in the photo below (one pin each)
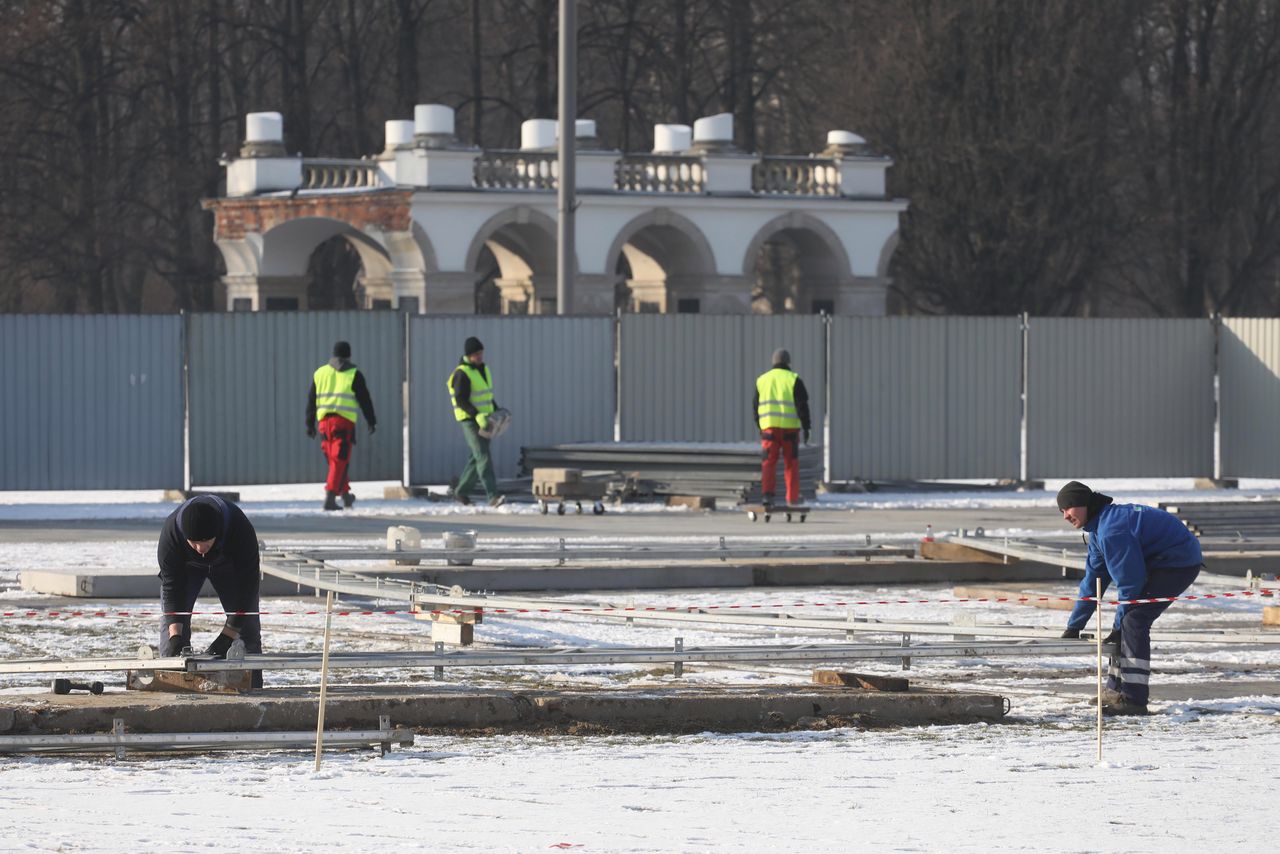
(1193, 777)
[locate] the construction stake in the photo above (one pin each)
(324, 676)
(1098, 595)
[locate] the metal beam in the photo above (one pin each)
(643, 655)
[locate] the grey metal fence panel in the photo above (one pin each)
(1119, 398)
(555, 374)
(248, 380)
(97, 402)
(691, 378)
(925, 397)
(1249, 396)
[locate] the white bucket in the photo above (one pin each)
(459, 540)
(404, 538)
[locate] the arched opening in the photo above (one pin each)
(515, 253)
(663, 264)
(316, 263)
(795, 265)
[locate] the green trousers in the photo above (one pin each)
(479, 464)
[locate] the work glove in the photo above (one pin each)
(1071, 633)
(482, 420)
(172, 646)
(373, 428)
(1114, 637)
(220, 645)
(806, 437)
(311, 431)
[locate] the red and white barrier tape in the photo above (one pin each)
(641, 609)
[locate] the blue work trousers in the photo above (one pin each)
(1130, 671)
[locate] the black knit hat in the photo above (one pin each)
(473, 345)
(1076, 494)
(342, 350)
(201, 521)
(781, 358)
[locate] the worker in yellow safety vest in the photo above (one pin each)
(338, 395)
(471, 393)
(781, 409)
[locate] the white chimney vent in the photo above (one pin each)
(433, 119)
(399, 133)
(844, 137)
(538, 133)
(671, 138)
(717, 128)
(264, 127)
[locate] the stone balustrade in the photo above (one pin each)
(326, 174)
(796, 176)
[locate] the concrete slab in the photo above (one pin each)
(137, 583)
(462, 708)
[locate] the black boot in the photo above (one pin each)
(331, 501)
(348, 499)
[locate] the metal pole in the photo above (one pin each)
(568, 138)
(324, 676)
(1098, 594)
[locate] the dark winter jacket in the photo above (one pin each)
(234, 555)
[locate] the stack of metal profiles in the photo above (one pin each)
(1241, 520)
(641, 470)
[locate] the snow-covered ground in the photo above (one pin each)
(1193, 777)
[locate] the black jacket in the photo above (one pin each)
(234, 557)
(358, 388)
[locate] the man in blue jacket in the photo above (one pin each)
(1149, 554)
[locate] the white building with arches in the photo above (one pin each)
(679, 229)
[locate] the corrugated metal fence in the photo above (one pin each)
(555, 374)
(1249, 396)
(98, 401)
(95, 402)
(1119, 398)
(925, 397)
(248, 379)
(691, 378)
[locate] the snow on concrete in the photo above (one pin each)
(1185, 779)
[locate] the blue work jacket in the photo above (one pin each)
(1126, 543)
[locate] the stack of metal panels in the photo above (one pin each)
(657, 469)
(1257, 519)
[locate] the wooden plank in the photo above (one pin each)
(1013, 593)
(867, 681)
(942, 550)
(181, 682)
(1271, 615)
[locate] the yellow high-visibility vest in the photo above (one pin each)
(777, 407)
(481, 391)
(333, 393)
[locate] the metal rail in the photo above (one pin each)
(564, 552)
(120, 742)
(678, 653)
(435, 597)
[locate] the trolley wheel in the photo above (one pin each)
(751, 514)
(560, 509)
(542, 507)
(579, 508)
(598, 508)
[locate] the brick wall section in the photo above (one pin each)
(387, 210)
